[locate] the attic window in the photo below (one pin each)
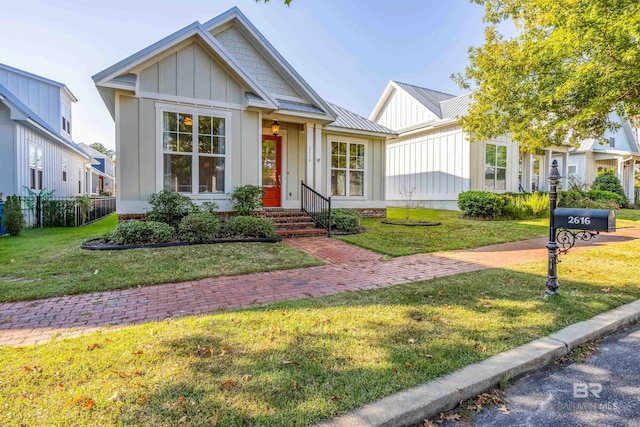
(612, 142)
(66, 119)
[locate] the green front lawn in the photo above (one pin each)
(453, 233)
(294, 363)
(42, 263)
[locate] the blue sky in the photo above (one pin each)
(347, 50)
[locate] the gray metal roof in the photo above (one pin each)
(427, 97)
(298, 106)
(350, 120)
(33, 116)
(456, 107)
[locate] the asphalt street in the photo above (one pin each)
(602, 390)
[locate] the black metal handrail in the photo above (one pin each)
(317, 206)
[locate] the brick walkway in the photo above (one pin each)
(348, 268)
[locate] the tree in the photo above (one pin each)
(104, 150)
(571, 64)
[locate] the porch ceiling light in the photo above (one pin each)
(275, 128)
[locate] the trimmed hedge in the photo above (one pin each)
(136, 232)
(198, 226)
(169, 207)
(246, 199)
(249, 226)
(481, 204)
(592, 199)
(607, 181)
(606, 196)
(13, 216)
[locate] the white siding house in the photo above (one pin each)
(619, 153)
(102, 176)
(432, 159)
(36, 150)
(193, 113)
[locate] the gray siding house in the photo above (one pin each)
(194, 114)
(36, 148)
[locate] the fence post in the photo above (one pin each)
(38, 211)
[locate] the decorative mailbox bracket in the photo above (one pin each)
(566, 225)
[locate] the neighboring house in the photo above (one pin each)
(101, 179)
(432, 160)
(194, 113)
(36, 147)
(620, 153)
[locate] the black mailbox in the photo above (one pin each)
(585, 219)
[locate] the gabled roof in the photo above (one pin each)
(350, 120)
(115, 77)
(13, 102)
(235, 16)
(428, 97)
(41, 79)
(455, 107)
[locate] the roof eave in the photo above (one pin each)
(383, 135)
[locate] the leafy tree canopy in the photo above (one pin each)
(104, 150)
(571, 64)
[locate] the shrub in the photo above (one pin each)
(481, 204)
(345, 219)
(136, 232)
(246, 200)
(606, 196)
(516, 208)
(211, 207)
(607, 181)
(249, 226)
(198, 226)
(169, 207)
(571, 199)
(13, 217)
(538, 203)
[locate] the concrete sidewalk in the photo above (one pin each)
(348, 268)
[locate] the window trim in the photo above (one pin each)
(162, 108)
(365, 171)
(38, 180)
(64, 164)
(506, 167)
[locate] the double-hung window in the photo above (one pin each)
(66, 118)
(347, 168)
(495, 167)
(36, 167)
(65, 166)
(194, 152)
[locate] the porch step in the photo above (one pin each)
(292, 222)
(303, 232)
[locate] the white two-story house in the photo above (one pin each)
(36, 148)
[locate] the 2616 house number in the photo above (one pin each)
(579, 220)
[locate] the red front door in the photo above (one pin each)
(271, 170)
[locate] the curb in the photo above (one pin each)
(411, 407)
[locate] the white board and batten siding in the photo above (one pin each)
(403, 111)
(52, 164)
(435, 165)
(41, 97)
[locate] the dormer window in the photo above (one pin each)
(66, 119)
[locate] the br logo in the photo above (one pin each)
(582, 390)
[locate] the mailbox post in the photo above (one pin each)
(566, 225)
(552, 246)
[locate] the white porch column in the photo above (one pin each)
(544, 185)
(621, 170)
(631, 181)
(317, 164)
(309, 132)
(565, 171)
(528, 176)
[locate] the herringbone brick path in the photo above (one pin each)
(348, 269)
